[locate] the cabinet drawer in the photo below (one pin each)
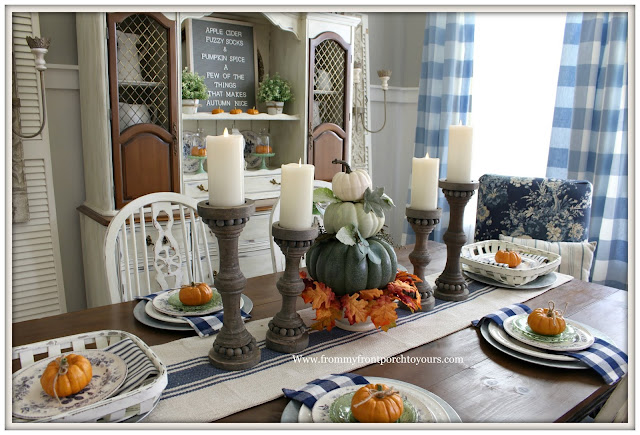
(263, 184)
(197, 189)
(254, 187)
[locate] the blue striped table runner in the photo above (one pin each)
(218, 393)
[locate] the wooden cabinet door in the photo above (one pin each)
(144, 104)
(329, 103)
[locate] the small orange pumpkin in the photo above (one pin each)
(235, 111)
(512, 258)
(66, 375)
(263, 149)
(196, 151)
(376, 404)
(216, 111)
(195, 294)
(547, 321)
(253, 111)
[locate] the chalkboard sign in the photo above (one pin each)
(222, 51)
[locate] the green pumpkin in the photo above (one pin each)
(340, 214)
(338, 265)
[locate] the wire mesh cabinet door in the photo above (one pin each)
(144, 104)
(329, 103)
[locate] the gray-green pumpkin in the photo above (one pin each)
(340, 214)
(340, 266)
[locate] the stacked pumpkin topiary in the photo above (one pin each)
(350, 258)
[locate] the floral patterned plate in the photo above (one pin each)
(335, 407)
(169, 303)
(31, 402)
(573, 338)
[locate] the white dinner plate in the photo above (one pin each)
(540, 282)
(575, 339)
(161, 304)
(152, 312)
(506, 340)
(31, 402)
(142, 317)
(321, 412)
(443, 412)
(484, 330)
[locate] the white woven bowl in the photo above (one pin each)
(479, 258)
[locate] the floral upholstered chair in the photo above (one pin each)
(537, 208)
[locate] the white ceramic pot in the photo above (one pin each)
(275, 107)
(367, 325)
(190, 107)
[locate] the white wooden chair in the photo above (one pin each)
(616, 408)
(156, 242)
(277, 257)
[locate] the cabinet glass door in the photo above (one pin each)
(142, 79)
(329, 103)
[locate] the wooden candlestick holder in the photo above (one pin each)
(287, 332)
(450, 285)
(234, 347)
(423, 222)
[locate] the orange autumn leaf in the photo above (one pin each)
(319, 295)
(406, 293)
(399, 286)
(383, 313)
(326, 317)
(407, 277)
(369, 295)
(354, 310)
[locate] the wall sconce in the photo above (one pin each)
(384, 75)
(39, 47)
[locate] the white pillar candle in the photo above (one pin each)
(225, 167)
(424, 183)
(296, 196)
(460, 153)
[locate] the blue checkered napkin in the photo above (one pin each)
(207, 325)
(605, 358)
(503, 314)
(314, 390)
(139, 365)
(150, 296)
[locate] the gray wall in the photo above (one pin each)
(61, 28)
(395, 43)
(65, 138)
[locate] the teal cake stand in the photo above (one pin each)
(264, 158)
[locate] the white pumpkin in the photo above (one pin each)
(350, 185)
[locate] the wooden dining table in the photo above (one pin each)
(482, 385)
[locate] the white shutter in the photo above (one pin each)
(35, 282)
(26, 74)
(36, 272)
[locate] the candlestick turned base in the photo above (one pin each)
(287, 332)
(450, 285)
(423, 222)
(234, 347)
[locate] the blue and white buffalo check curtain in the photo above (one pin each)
(445, 94)
(589, 136)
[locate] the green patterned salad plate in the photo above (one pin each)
(169, 303)
(335, 407)
(573, 338)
